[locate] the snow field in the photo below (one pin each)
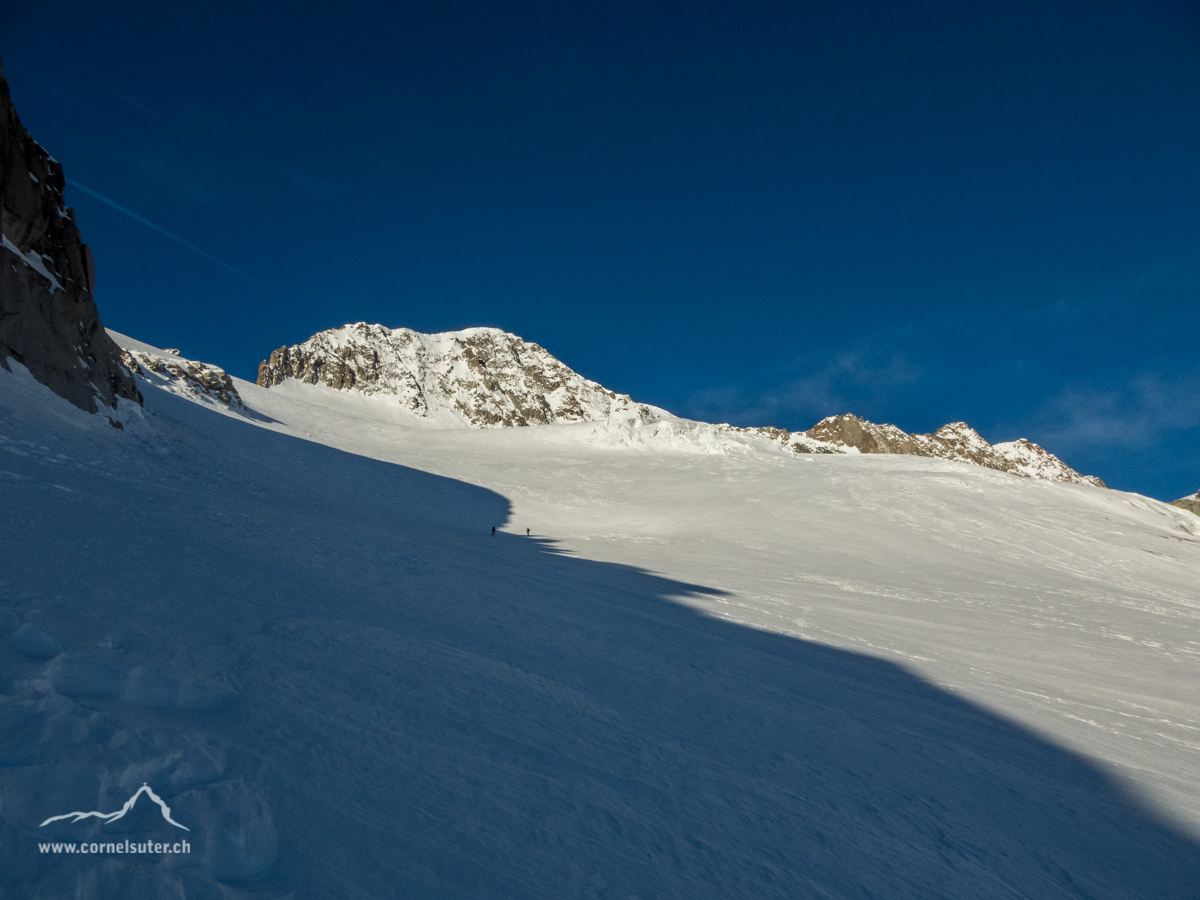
(708, 674)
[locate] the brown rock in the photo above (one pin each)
(956, 440)
(1191, 504)
(867, 437)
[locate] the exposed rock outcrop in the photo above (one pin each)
(1191, 504)
(48, 321)
(865, 437)
(957, 441)
(184, 376)
(481, 377)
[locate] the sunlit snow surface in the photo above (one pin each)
(714, 669)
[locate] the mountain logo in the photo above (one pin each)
(112, 817)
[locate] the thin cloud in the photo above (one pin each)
(72, 65)
(183, 176)
(854, 380)
(119, 208)
(1135, 414)
(120, 95)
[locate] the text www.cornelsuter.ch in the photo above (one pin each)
(117, 847)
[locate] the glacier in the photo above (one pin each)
(713, 669)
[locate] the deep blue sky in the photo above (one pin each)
(762, 213)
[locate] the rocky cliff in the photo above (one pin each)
(1192, 503)
(48, 321)
(957, 441)
(480, 377)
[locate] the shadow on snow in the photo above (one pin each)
(427, 711)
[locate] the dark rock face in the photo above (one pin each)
(48, 321)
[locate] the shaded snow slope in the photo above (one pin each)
(707, 674)
(1067, 607)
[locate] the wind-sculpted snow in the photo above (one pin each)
(746, 673)
(480, 377)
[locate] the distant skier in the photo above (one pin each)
(493, 531)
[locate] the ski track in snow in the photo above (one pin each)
(713, 671)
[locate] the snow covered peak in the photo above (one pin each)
(477, 377)
(1034, 461)
(489, 378)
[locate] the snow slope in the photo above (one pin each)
(714, 670)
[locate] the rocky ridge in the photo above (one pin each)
(488, 378)
(48, 321)
(1191, 504)
(481, 377)
(183, 376)
(956, 441)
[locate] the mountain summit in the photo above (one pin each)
(488, 378)
(479, 377)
